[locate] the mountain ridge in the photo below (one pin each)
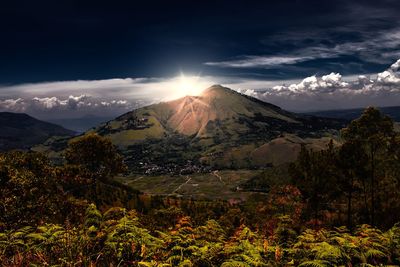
(22, 131)
(353, 113)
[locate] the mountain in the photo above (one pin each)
(220, 127)
(351, 114)
(21, 131)
(81, 124)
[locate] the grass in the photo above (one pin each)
(285, 149)
(129, 137)
(198, 185)
(115, 124)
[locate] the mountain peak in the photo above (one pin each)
(218, 87)
(217, 90)
(202, 116)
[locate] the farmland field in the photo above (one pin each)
(223, 184)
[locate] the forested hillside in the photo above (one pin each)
(21, 131)
(336, 207)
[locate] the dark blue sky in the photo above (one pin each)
(70, 40)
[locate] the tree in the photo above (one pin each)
(313, 173)
(96, 154)
(30, 191)
(372, 131)
(351, 172)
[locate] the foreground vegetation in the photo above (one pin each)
(117, 237)
(75, 215)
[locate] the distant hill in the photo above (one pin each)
(351, 114)
(21, 131)
(218, 113)
(81, 124)
(220, 127)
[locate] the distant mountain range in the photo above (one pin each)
(351, 114)
(21, 131)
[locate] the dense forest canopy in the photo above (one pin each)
(337, 207)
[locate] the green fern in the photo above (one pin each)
(234, 263)
(316, 263)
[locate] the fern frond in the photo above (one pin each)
(234, 263)
(315, 263)
(374, 253)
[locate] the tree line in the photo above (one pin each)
(359, 178)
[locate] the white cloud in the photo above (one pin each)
(121, 103)
(377, 48)
(249, 92)
(331, 91)
(333, 80)
(116, 103)
(395, 66)
(17, 105)
(314, 84)
(259, 61)
(388, 77)
(47, 102)
(364, 79)
(74, 104)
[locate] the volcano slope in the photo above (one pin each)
(219, 128)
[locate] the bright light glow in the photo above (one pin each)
(187, 86)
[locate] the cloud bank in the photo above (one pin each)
(116, 96)
(331, 91)
(109, 97)
(81, 103)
